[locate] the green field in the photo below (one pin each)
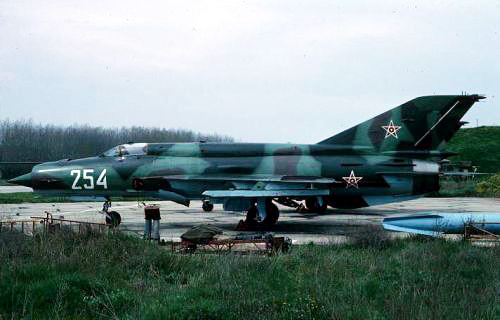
(117, 276)
(29, 197)
(480, 146)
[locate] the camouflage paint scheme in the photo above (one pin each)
(391, 157)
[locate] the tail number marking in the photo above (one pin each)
(87, 175)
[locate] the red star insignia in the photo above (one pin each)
(391, 130)
(352, 180)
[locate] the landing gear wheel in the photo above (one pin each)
(251, 218)
(272, 215)
(322, 208)
(207, 206)
(313, 205)
(113, 219)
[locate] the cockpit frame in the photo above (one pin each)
(129, 149)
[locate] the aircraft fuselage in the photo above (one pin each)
(190, 169)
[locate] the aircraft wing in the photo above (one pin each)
(266, 193)
(250, 186)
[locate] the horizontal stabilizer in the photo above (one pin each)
(420, 154)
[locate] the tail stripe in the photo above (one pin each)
(440, 119)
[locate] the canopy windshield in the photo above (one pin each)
(131, 149)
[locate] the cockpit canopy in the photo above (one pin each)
(129, 149)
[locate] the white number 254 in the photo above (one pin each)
(87, 175)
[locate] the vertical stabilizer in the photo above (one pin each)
(422, 124)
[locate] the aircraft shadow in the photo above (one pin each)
(311, 215)
(333, 228)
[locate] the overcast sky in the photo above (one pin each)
(259, 71)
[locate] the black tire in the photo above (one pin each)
(272, 215)
(251, 218)
(322, 208)
(313, 206)
(113, 219)
(207, 206)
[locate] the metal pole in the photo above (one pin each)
(147, 229)
(156, 230)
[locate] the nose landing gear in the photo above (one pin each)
(113, 218)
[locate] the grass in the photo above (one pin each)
(458, 188)
(489, 187)
(29, 197)
(486, 186)
(479, 145)
(116, 276)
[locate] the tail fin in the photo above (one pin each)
(422, 124)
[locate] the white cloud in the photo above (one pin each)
(212, 65)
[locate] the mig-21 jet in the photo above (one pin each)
(392, 157)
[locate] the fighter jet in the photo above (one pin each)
(392, 157)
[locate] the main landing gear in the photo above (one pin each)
(316, 204)
(113, 218)
(263, 213)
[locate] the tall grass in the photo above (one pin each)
(115, 276)
(458, 188)
(489, 187)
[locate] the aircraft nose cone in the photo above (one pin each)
(24, 180)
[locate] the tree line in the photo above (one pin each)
(25, 141)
